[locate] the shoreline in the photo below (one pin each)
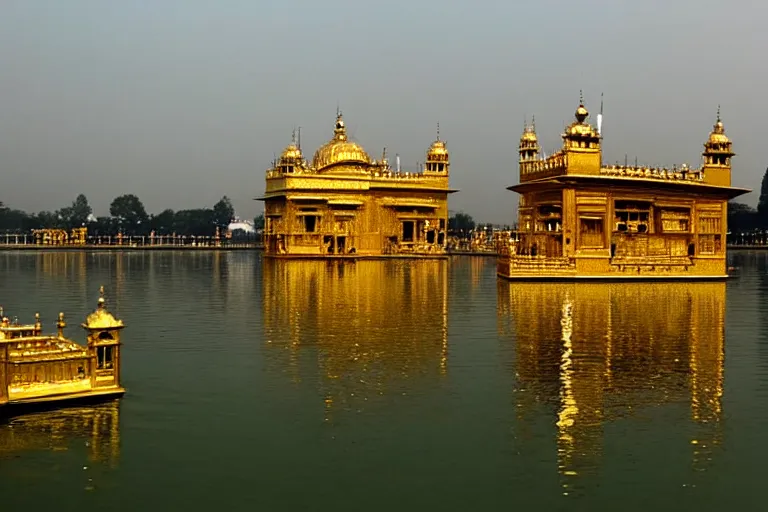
(121, 248)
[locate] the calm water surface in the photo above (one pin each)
(395, 386)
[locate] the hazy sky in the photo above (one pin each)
(182, 102)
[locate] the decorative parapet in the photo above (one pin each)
(654, 173)
(553, 165)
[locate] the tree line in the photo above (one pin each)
(743, 218)
(127, 215)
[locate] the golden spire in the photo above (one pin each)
(340, 131)
(581, 112)
(101, 297)
(438, 131)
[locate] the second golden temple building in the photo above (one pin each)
(346, 204)
(581, 219)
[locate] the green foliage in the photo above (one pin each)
(130, 214)
(258, 222)
(461, 222)
(127, 216)
(223, 213)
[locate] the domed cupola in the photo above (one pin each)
(339, 150)
(529, 142)
(438, 160)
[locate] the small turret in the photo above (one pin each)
(717, 155)
(60, 325)
(529, 142)
(103, 345)
(438, 160)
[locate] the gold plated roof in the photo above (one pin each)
(718, 135)
(101, 318)
(437, 148)
(339, 150)
(291, 152)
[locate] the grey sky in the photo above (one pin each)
(181, 102)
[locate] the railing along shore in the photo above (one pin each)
(12, 241)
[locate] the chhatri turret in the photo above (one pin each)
(438, 161)
(717, 155)
(529, 142)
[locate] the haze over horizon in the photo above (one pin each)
(182, 102)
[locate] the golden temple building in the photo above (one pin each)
(361, 332)
(40, 368)
(585, 350)
(344, 203)
(580, 218)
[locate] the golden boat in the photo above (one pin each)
(37, 368)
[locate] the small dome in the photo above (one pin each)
(581, 113)
(101, 318)
(718, 135)
(529, 135)
(291, 152)
(437, 150)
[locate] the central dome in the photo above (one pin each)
(339, 150)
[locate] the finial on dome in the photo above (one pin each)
(533, 122)
(101, 296)
(438, 130)
(718, 113)
(340, 131)
(293, 136)
(581, 97)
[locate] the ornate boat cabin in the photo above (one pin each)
(344, 203)
(580, 219)
(39, 368)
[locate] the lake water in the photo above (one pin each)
(394, 385)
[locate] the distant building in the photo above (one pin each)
(580, 218)
(244, 225)
(345, 203)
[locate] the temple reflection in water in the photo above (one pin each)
(362, 330)
(601, 352)
(66, 429)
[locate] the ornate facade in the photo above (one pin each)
(344, 203)
(580, 218)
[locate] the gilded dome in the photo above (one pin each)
(529, 135)
(339, 150)
(101, 318)
(291, 152)
(718, 135)
(437, 150)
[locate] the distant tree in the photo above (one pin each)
(104, 226)
(198, 222)
(130, 214)
(461, 222)
(163, 223)
(223, 213)
(76, 216)
(258, 222)
(762, 203)
(48, 220)
(742, 218)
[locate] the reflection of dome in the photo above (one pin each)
(339, 150)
